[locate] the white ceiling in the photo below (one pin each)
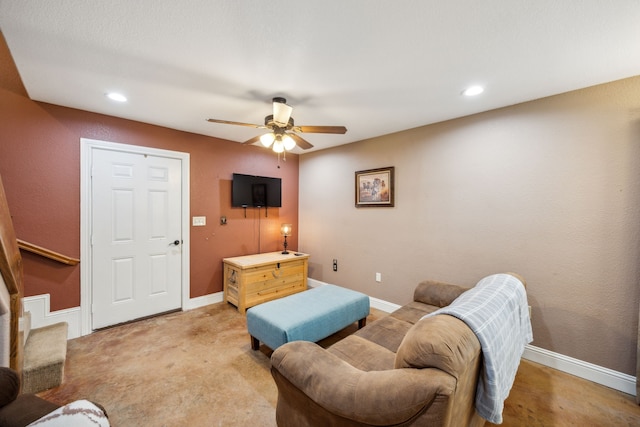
(376, 67)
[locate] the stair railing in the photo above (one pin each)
(47, 253)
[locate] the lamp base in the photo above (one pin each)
(285, 252)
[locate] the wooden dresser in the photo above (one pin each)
(253, 279)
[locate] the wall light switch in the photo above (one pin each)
(378, 277)
(199, 221)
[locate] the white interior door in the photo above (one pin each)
(136, 241)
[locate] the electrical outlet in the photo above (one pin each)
(335, 265)
(199, 221)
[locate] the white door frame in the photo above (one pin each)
(86, 147)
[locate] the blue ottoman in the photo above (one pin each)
(308, 316)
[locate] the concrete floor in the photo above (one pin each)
(197, 368)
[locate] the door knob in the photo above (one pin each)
(176, 242)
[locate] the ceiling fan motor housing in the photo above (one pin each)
(271, 124)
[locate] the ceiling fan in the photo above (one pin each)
(283, 132)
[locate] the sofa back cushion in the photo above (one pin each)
(442, 341)
(439, 294)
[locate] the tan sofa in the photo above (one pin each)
(395, 371)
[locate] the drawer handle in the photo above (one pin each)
(232, 277)
(279, 270)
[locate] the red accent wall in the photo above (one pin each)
(40, 167)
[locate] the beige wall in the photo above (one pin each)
(549, 189)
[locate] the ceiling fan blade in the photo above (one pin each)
(300, 142)
(320, 129)
(228, 122)
(252, 140)
(281, 111)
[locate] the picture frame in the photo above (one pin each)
(375, 187)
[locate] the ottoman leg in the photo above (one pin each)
(362, 323)
(255, 343)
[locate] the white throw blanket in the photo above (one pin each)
(496, 310)
(79, 413)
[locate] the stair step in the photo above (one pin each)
(44, 355)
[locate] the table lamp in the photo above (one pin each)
(285, 230)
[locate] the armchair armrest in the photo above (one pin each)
(376, 397)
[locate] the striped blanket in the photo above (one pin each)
(496, 310)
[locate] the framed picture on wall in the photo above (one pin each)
(374, 187)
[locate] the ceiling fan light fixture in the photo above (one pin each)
(288, 143)
(278, 146)
(267, 139)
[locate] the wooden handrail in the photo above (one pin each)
(47, 253)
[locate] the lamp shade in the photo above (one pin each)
(285, 229)
(281, 113)
(288, 142)
(278, 146)
(267, 139)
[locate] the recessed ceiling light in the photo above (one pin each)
(473, 91)
(114, 96)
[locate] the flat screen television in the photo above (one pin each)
(255, 191)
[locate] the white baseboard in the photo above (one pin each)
(382, 305)
(41, 315)
(202, 301)
(39, 306)
(588, 371)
